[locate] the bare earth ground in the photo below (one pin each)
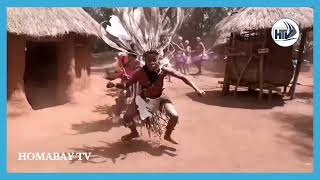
(215, 133)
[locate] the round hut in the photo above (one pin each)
(48, 56)
(254, 59)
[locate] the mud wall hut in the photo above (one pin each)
(254, 60)
(48, 56)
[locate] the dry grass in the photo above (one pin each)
(50, 22)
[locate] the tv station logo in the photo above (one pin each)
(285, 32)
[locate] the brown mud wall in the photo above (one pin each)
(82, 50)
(16, 100)
(66, 71)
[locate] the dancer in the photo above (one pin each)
(199, 55)
(150, 77)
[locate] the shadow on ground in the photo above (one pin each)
(302, 126)
(244, 100)
(120, 150)
(100, 125)
(304, 95)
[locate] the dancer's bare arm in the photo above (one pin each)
(186, 80)
(134, 78)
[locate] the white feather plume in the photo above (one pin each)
(138, 30)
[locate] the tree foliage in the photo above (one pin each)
(201, 22)
(198, 22)
(100, 15)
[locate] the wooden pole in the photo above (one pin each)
(226, 85)
(265, 36)
(300, 60)
(244, 69)
(284, 91)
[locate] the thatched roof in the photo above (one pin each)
(248, 19)
(50, 22)
(222, 39)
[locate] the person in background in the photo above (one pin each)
(179, 55)
(168, 58)
(200, 55)
(125, 66)
(187, 57)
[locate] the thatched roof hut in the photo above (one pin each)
(50, 22)
(248, 19)
(254, 59)
(49, 53)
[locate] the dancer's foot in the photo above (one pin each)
(167, 136)
(130, 136)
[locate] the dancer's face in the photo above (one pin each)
(152, 61)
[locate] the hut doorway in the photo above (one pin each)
(41, 72)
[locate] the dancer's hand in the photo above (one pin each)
(109, 78)
(110, 84)
(125, 76)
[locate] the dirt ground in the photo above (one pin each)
(215, 134)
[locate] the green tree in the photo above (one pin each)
(201, 22)
(100, 15)
(198, 22)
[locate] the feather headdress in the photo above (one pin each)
(139, 30)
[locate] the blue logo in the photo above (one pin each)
(285, 32)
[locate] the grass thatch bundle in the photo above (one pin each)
(50, 22)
